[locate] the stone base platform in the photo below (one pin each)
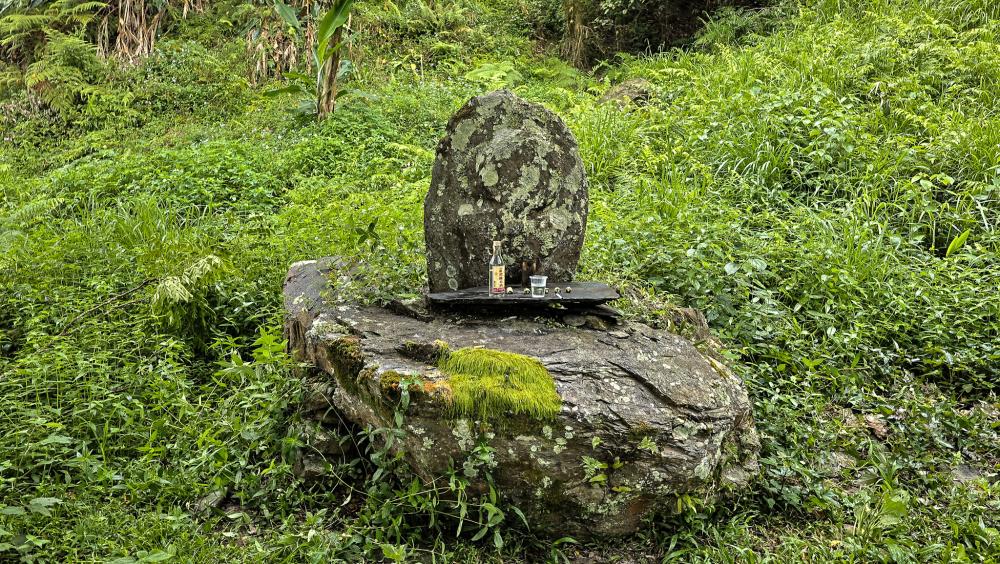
(645, 417)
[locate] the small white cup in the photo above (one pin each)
(538, 286)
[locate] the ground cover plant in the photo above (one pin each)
(820, 177)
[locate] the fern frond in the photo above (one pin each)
(12, 242)
(10, 238)
(46, 71)
(61, 76)
(70, 47)
(62, 6)
(17, 24)
(14, 224)
(10, 78)
(57, 17)
(87, 9)
(29, 213)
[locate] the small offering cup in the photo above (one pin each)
(538, 286)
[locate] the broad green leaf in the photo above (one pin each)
(480, 534)
(394, 553)
(285, 90)
(332, 20)
(56, 439)
(297, 76)
(42, 505)
(345, 68)
(521, 515)
(287, 14)
(325, 51)
(958, 243)
(156, 556)
(564, 540)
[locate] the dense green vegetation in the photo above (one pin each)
(821, 178)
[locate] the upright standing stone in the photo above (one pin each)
(506, 170)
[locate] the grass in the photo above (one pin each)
(799, 176)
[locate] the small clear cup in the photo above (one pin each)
(538, 286)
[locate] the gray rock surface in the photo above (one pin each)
(506, 170)
(633, 91)
(664, 418)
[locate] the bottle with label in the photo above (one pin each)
(498, 271)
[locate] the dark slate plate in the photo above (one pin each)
(584, 293)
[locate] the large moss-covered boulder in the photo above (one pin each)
(586, 430)
(506, 170)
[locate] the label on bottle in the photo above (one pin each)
(497, 282)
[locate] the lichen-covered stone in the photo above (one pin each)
(645, 416)
(633, 91)
(506, 170)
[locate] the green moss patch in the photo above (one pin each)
(487, 383)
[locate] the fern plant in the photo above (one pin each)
(15, 224)
(64, 74)
(124, 29)
(412, 18)
(48, 54)
(25, 32)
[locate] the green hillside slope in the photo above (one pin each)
(821, 178)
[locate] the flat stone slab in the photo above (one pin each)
(645, 416)
(583, 293)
